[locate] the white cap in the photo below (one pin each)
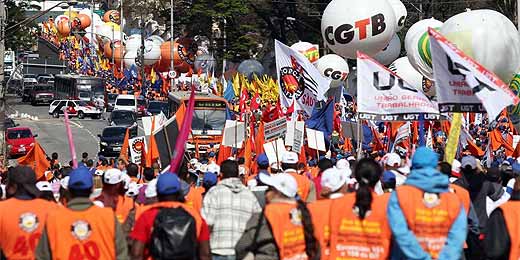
(342, 164)
(127, 180)
(151, 189)
(455, 166)
(133, 189)
(290, 158)
(214, 168)
(99, 172)
(194, 161)
(393, 160)
(43, 186)
(333, 179)
(469, 161)
(113, 176)
(65, 182)
(283, 182)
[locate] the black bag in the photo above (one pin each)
(174, 235)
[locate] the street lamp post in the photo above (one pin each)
(172, 80)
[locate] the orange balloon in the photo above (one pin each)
(107, 48)
(119, 54)
(64, 28)
(84, 21)
(183, 54)
(112, 16)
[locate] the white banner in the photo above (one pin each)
(384, 96)
(316, 140)
(275, 129)
(234, 134)
(299, 80)
(136, 149)
(292, 128)
(463, 84)
(274, 151)
(160, 119)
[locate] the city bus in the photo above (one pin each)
(208, 120)
(73, 86)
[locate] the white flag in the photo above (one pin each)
(402, 134)
(463, 84)
(429, 139)
(298, 79)
(384, 96)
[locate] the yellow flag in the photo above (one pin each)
(153, 76)
(236, 85)
(453, 138)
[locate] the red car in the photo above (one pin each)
(19, 140)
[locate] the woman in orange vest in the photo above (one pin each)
(359, 227)
(427, 220)
(502, 237)
(334, 186)
(284, 229)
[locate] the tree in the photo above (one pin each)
(21, 38)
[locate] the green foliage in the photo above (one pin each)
(20, 38)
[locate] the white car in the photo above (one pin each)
(78, 108)
(126, 102)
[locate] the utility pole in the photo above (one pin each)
(3, 19)
(172, 79)
(518, 14)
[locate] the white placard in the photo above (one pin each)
(275, 129)
(160, 119)
(275, 150)
(292, 126)
(316, 140)
(233, 134)
(136, 145)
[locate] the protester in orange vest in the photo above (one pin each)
(427, 220)
(82, 230)
(334, 185)
(170, 196)
(284, 229)
(306, 188)
(358, 224)
(112, 194)
(501, 240)
(22, 215)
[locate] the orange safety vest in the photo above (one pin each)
(21, 224)
(85, 234)
(511, 212)
(355, 238)
(304, 185)
(123, 207)
(431, 223)
(285, 220)
(194, 198)
(320, 212)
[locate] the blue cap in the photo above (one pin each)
(424, 158)
(209, 179)
(168, 183)
(211, 154)
(80, 179)
(387, 176)
(262, 160)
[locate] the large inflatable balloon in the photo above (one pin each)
(131, 58)
(309, 50)
(109, 46)
(250, 68)
(119, 54)
(60, 18)
(417, 46)
(390, 52)
(133, 42)
(112, 16)
(81, 21)
(205, 63)
(334, 67)
(152, 52)
(358, 25)
(63, 27)
(184, 51)
(400, 13)
(407, 72)
(488, 37)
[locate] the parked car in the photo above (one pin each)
(78, 108)
(111, 139)
(124, 118)
(19, 140)
(111, 101)
(141, 106)
(41, 93)
(155, 108)
(126, 102)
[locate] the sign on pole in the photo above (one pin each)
(233, 134)
(274, 150)
(291, 137)
(275, 129)
(316, 140)
(136, 149)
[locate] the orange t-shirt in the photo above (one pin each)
(85, 234)
(21, 224)
(124, 205)
(194, 198)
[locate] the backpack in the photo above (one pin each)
(174, 235)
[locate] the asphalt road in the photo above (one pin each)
(52, 133)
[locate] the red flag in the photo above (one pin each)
(152, 153)
(255, 103)
(474, 149)
(270, 114)
(224, 152)
(260, 139)
(36, 159)
(243, 100)
(184, 132)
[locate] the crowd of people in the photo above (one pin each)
(390, 207)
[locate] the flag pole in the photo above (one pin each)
(358, 130)
(71, 141)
